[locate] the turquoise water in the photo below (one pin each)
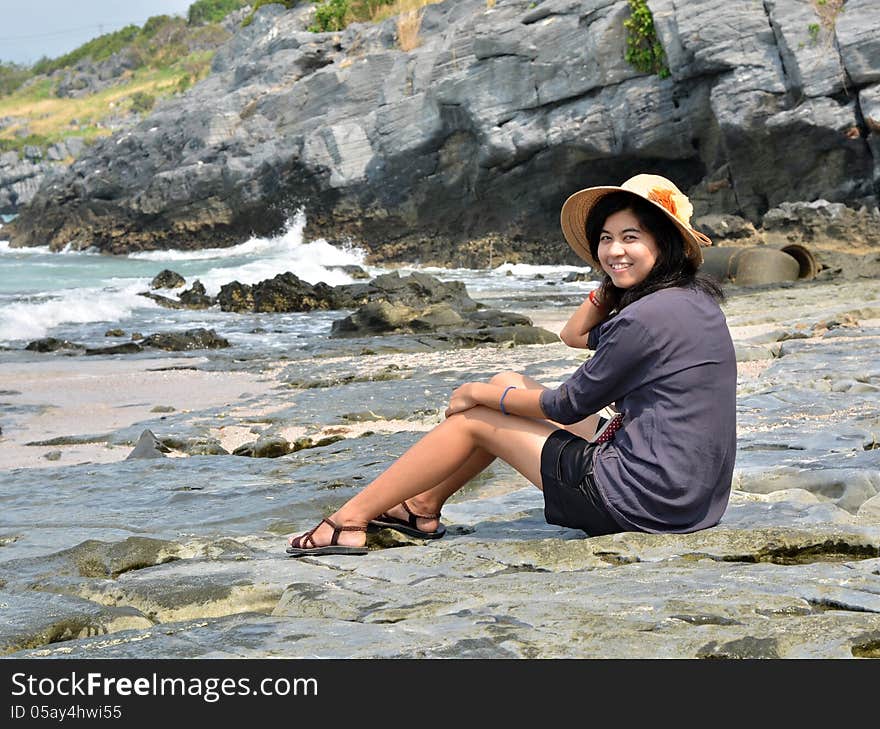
(79, 295)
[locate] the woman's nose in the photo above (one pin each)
(615, 247)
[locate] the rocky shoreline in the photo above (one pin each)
(186, 559)
(465, 147)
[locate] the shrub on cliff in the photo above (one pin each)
(97, 49)
(333, 15)
(211, 11)
(11, 77)
(142, 102)
(643, 48)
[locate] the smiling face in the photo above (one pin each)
(627, 252)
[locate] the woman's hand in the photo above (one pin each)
(462, 399)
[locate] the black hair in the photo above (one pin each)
(672, 268)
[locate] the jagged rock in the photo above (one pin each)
(204, 447)
(495, 318)
(356, 272)
(271, 446)
(727, 227)
(195, 297)
(513, 335)
(198, 338)
(167, 279)
(148, 446)
(127, 348)
(377, 317)
(287, 292)
(162, 300)
(820, 222)
(434, 317)
(422, 303)
(114, 333)
(51, 344)
(236, 296)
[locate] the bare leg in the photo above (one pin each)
(431, 501)
(441, 460)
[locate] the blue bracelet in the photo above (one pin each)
(503, 395)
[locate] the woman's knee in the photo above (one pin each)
(503, 379)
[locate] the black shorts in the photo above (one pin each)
(571, 498)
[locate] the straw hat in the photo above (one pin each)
(655, 189)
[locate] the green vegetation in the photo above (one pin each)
(142, 102)
(643, 49)
(12, 76)
(827, 10)
(19, 143)
(164, 57)
(331, 15)
(212, 11)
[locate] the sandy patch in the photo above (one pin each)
(753, 368)
(233, 436)
(85, 397)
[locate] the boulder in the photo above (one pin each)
(198, 338)
(167, 279)
(196, 297)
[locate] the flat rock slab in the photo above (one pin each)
(184, 557)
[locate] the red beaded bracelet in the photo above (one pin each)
(594, 300)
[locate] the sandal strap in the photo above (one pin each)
(413, 516)
(306, 541)
(338, 529)
(302, 541)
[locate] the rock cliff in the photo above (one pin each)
(477, 135)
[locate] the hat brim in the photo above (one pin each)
(577, 207)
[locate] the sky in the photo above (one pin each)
(31, 29)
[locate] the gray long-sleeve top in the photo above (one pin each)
(667, 363)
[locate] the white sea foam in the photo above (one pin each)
(260, 258)
(6, 247)
(34, 318)
(528, 270)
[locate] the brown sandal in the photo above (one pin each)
(300, 546)
(408, 526)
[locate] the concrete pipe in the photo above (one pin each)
(809, 266)
(759, 265)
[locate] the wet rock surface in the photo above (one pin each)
(183, 556)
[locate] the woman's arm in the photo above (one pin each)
(589, 314)
(517, 400)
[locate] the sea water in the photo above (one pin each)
(79, 295)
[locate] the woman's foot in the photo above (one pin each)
(329, 537)
(410, 519)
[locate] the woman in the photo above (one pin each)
(663, 357)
